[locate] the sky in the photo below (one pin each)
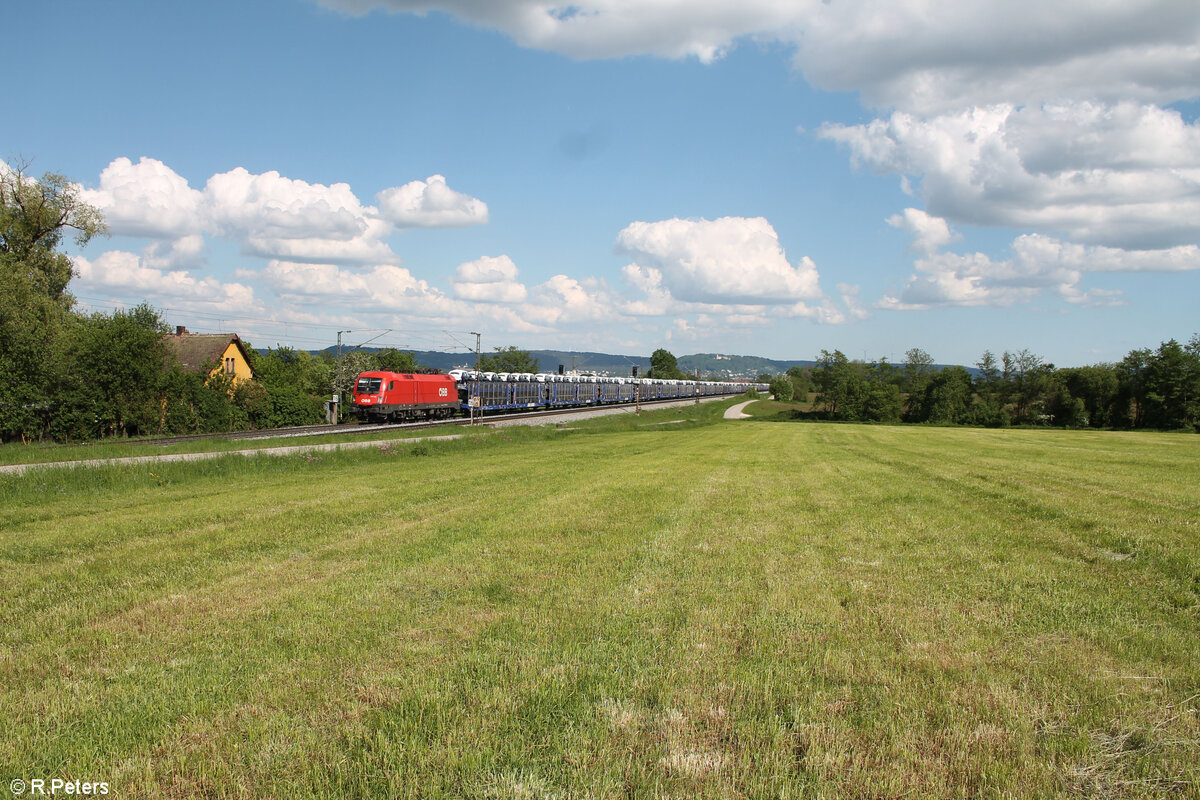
(759, 177)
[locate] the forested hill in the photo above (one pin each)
(736, 366)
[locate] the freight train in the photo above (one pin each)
(394, 396)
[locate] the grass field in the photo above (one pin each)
(630, 609)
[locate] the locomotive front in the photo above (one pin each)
(392, 396)
(369, 395)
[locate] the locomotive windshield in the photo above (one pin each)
(369, 385)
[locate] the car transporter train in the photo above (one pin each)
(394, 396)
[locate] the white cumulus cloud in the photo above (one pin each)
(121, 272)
(147, 199)
(929, 233)
(566, 300)
(270, 206)
(430, 204)
(383, 288)
(724, 261)
(1039, 265)
(1119, 176)
(269, 215)
(488, 280)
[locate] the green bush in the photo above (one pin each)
(781, 387)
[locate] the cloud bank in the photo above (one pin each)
(269, 215)
(906, 54)
(1047, 118)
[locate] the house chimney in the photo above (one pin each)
(180, 330)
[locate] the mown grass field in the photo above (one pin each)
(704, 609)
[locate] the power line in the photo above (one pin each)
(293, 332)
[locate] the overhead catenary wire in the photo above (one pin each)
(259, 331)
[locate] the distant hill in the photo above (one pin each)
(708, 364)
(736, 366)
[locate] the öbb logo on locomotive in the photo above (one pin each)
(381, 396)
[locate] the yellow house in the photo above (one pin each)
(196, 351)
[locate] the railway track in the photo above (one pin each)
(348, 428)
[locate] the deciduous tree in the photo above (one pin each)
(34, 303)
(664, 365)
(781, 387)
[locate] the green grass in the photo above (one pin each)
(632, 609)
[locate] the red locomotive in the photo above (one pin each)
(390, 396)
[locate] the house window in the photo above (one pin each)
(229, 366)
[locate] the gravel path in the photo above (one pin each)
(17, 469)
(603, 411)
(738, 411)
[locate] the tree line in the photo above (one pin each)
(112, 374)
(1157, 388)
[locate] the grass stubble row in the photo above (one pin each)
(706, 609)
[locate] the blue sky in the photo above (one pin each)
(753, 177)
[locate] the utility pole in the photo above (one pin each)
(337, 374)
(473, 401)
(337, 371)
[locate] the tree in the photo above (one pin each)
(34, 303)
(781, 387)
(801, 383)
(393, 360)
(664, 366)
(1026, 378)
(1170, 385)
(288, 367)
(34, 215)
(111, 369)
(296, 384)
(882, 402)
(841, 390)
(509, 359)
(916, 372)
(346, 371)
(917, 369)
(989, 408)
(945, 398)
(1096, 389)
